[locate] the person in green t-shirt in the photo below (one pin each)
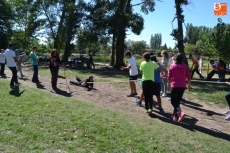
(147, 68)
(34, 61)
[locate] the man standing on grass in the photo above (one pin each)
(34, 58)
(133, 73)
(11, 63)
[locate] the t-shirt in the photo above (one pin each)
(165, 62)
(195, 63)
(134, 70)
(54, 62)
(157, 74)
(2, 58)
(33, 58)
(20, 59)
(9, 55)
(147, 69)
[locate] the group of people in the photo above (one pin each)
(14, 64)
(158, 77)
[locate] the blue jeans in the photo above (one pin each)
(227, 96)
(221, 74)
(35, 75)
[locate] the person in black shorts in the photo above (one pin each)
(133, 73)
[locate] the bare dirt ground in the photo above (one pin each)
(201, 117)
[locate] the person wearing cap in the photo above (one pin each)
(2, 62)
(34, 61)
(20, 61)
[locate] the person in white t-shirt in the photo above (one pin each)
(2, 62)
(11, 64)
(133, 73)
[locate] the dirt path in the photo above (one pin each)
(200, 116)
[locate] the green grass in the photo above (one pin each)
(209, 93)
(36, 121)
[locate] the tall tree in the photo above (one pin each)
(156, 41)
(6, 16)
(220, 39)
(178, 33)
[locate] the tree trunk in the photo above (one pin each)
(120, 49)
(180, 39)
(70, 32)
(112, 61)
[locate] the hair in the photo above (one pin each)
(212, 61)
(90, 76)
(221, 62)
(151, 54)
(34, 47)
(53, 52)
(153, 58)
(190, 55)
(165, 53)
(128, 53)
(10, 45)
(179, 58)
(146, 56)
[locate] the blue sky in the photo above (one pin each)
(199, 13)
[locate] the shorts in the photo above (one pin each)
(156, 89)
(133, 77)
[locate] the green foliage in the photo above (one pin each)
(137, 47)
(220, 38)
(156, 41)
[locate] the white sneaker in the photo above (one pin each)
(164, 95)
(228, 112)
(227, 118)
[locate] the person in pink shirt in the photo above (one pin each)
(177, 75)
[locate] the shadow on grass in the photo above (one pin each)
(40, 86)
(62, 92)
(189, 123)
(16, 92)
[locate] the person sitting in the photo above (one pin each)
(215, 66)
(88, 83)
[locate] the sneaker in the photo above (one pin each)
(135, 94)
(138, 102)
(227, 118)
(149, 111)
(161, 110)
(164, 95)
(131, 95)
(174, 118)
(181, 116)
(228, 112)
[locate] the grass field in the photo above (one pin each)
(36, 121)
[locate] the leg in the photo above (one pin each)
(12, 79)
(159, 102)
(133, 87)
(174, 95)
(227, 96)
(210, 75)
(193, 71)
(15, 77)
(35, 76)
(56, 77)
(2, 69)
(52, 71)
(165, 85)
(147, 90)
(197, 71)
